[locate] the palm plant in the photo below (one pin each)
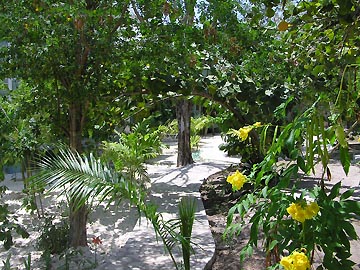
(86, 180)
(132, 150)
(175, 232)
(187, 208)
(83, 179)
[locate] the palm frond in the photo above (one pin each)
(84, 178)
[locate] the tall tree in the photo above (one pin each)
(168, 30)
(69, 46)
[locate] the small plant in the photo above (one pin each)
(53, 238)
(27, 262)
(175, 232)
(33, 198)
(7, 225)
(96, 241)
(195, 141)
(187, 208)
(6, 264)
(130, 152)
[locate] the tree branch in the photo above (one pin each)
(222, 103)
(137, 13)
(121, 19)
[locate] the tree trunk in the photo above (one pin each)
(75, 126)
(183, 115)
(78, 216)
(78, 220)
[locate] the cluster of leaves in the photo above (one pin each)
(8, 225)
(53, 237)
(23, 133)
(176, 232)
(129, 153)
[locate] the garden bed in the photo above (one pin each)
(218, 198)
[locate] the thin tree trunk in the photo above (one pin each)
(78, 216)
(75, 126)
(183, 115)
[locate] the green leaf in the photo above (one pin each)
(347, 194)
(254, 230)
(246, 205)
(345, 159)
(21, 231)
(335, 191)
(273, 244)
(230, 215)
(349, 229)
(330, 34)
(301, 164)
(341, 136)
(264, 191)
(351, 206)
(289, 143)
(280, 110)
(270, 12)
(247, 251)
(318, 69)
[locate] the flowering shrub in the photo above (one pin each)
(96, 241)
(289, 216)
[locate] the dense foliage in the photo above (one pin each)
(284, 72)
(321, 38)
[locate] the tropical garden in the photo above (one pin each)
(100, 84)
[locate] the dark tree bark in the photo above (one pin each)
(78, 216)
(183, 115)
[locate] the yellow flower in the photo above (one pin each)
(296, 261)
(257, 124)
(237, 180)
(244, 132)
(301, 213)
(311, 210)
(292, 209)
(287, 263)
(301, 261)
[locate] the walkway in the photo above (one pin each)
(169, 184)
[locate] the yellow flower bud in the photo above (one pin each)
(257, 124)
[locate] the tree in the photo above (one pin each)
(65, 50)
(171, 24)
(24, 134)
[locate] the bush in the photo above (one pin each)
(54, 236)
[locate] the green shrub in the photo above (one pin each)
(54, 236)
